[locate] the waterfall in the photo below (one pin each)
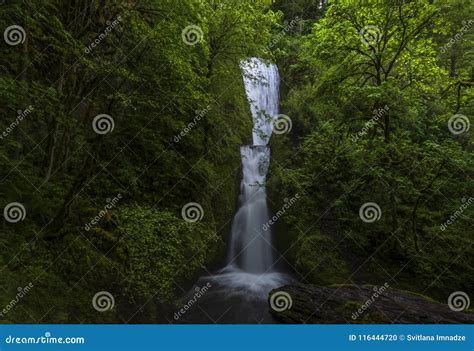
(240, 290)
(250, 245)
(262, 84)
(251, 260)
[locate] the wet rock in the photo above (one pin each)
(361, 304)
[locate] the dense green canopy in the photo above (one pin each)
(115, 115)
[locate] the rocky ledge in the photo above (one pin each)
(359, 304)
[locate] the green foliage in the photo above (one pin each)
(343, 152)
(127, 60)
(321, 263)
(161, 251)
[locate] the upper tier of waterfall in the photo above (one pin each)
(262, 83)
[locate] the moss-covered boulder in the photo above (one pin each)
(360, 304)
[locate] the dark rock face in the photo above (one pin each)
(361, 304)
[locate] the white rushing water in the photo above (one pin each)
(250, 245)
(262, 84)
(251, 261)
(240, 290)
